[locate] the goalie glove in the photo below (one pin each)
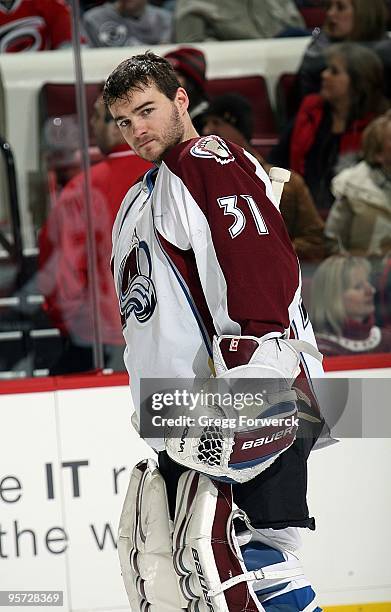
(236, 448)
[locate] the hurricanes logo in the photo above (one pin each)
(22, 35)
(137, 293)
(212, 147)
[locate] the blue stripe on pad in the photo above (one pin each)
(293, 601)
(257, 555)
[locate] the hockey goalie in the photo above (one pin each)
(209, 288)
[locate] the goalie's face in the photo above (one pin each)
(150, 122)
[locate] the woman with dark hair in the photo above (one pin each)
(360, 21)
(326, 133)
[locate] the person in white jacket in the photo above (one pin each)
(359, 221)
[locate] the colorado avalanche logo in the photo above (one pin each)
(137, 293)
(212, 147)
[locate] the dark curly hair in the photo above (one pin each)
(139, 72)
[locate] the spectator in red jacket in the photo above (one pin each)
(34, 25)
(325, 136)
(63, 261)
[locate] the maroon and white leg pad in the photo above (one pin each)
(193, 565)
(145, 544)
(213, 578)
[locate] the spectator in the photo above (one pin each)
(127, 23)
(190, 67)
(200, 20)
(360, 219)
(34, 25)
(230, 116)
(63, 275)
(325, 135)
(361, 21)
(168, 5)
(342, 308)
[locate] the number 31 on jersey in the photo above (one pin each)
(230, 206)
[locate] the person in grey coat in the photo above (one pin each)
(199, 20)
(127, 23)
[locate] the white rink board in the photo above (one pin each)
(28, 442)
(349, 493)
(347, 557)
(73, 427)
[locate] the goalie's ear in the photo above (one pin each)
(181, 101)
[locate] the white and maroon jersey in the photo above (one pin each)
(34, 25)
(200, 248)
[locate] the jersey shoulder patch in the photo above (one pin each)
(212, 147)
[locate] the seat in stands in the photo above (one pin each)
(287, 98)
(313, 16)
